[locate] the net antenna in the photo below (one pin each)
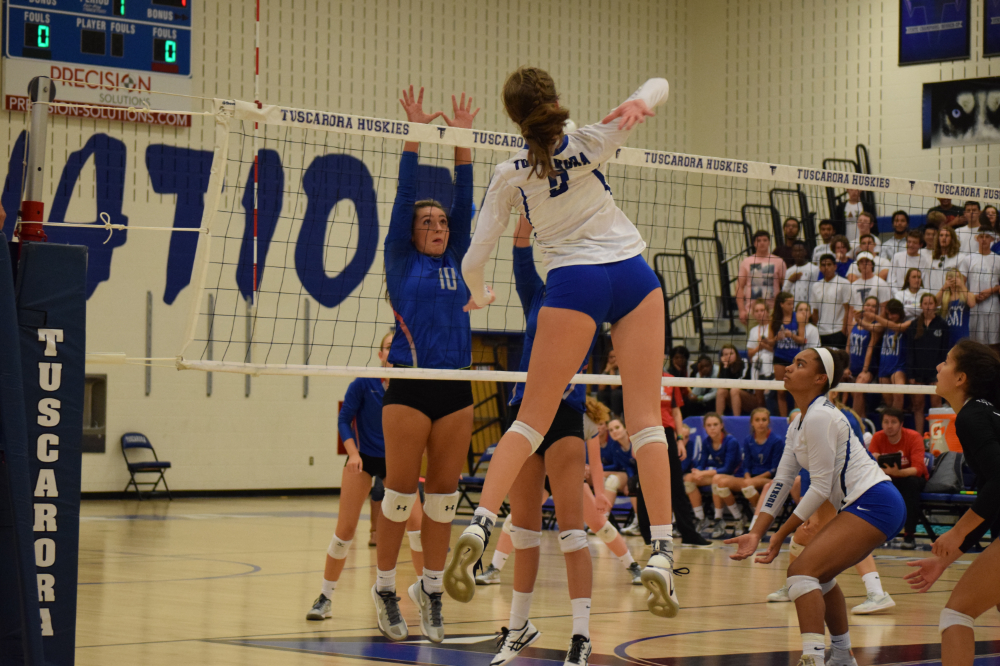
(41, 92)
(256, 150)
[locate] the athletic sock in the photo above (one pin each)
(490, 516)
(581, 616)
(520, 608)
(328, 587)
(385, 581)
(657, 532)
(736, 511)
(626, 559)
(699, 512)
(718, 514)
(814, 645)
(841, 646)
(499, 559)
(873, 583)
(432, 580)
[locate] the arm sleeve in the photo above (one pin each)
(603, 140)
(493, 220)
(822, 460)
(733, 456)
(777, 451)
(788, 469)
(526, 280)
(349, 410)
(985, 452)
(397, 241)
(460, 219)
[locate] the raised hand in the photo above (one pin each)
(632, 113)
(462, 113)
(414, 107)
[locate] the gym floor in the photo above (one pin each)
(229, 581)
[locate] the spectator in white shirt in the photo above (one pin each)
(800, 275)
(946, 257)
(826, 235)
(970, 212)
(967, 242)
(866, 226)
(868, 284)
(984, 281)
(929, 238)
(847, 213)
(830, 297)
(911, 295)
(882, 265)
(760, 276)
(911, 258)
(991, 214)
(900, 227)
(804, 313)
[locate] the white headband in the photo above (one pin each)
(827, 359)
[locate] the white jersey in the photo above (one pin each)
(911, 301)
(573, 214)
(892, 246)
(873, 286)
(881, 264)
(943, 264)
(902, 263)
(840, 468)
(800, 289)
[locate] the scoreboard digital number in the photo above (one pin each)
(96, 46)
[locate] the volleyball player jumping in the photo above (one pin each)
(871, 510)
(423, 254)
(596, 274)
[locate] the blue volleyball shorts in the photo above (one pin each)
(604, 292)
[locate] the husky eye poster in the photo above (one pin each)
(933, 31)
(961, 113)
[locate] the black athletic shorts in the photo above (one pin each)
(834, 340)
(435, 398)
(924, 376)
(372, 465)
(567, 423)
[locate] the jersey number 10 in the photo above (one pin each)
(448, 278)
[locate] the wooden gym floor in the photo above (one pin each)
(228, 581)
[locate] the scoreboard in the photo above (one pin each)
(111, 53)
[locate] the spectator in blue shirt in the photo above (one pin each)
(719, 455)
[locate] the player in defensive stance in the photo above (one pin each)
(968, 381)
(365, 461)
(423, 254)
(596, 274)
(871, 510)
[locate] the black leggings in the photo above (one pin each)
(910, 488)
(683, 513)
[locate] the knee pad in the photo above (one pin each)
(827, 586)
(440, 507)
(524, 539)
(722, 492)
(571, 541)
(690, 487)
(795, 548)
(415, 544)
(508, 525)
(611, 483)
(533, 436)
(952, 618)
(608, 533)
(378, 490)
(338, 547)
(648, 436)
(750, 492)
(397, 506)
(799, 585)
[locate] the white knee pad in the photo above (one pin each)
(690, 487)
(440, 507)
(571, 541)
(799, 585)
(611, 482)
(722, 492)
(952, 618)
(524, 539)
(750, 492)
(338, 547)
(533, 436)
(415, 544)
(508, 525)
(795, 548)
(827, 586)
(608, 533)
(397, 506)
(648, 436)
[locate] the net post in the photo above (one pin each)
(41, 91)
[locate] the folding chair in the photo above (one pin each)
(136, 440)
(471, 483)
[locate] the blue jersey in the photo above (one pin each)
(694, 453)
(844, 267)
(859, 432)
(786, 348)
(858, 348)
(725, 459)
(428, 293)
(958, 321)
(760, 458)
(531, 291)
(616, 459)
(363, 402)
(893, 353)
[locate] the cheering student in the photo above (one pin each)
(800, 275)
(913, 257)
(956, 305)
(928, 346)
(829, 298)
(865, 349)
(788, 335)
(841, 248)
(946, 257)
(882, 266)
(911, 294)
(866, 227)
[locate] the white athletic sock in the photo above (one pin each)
(499, 559)
(873, 583)
(841, 646)
(735, 509)
(657, 532)
(718, 514)
(490, 516)
(328, 587)
(581, 616)
(432, 580)
(385, 580)
(626, 559)
(814, 645)
(699, 512)
(520, 609)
